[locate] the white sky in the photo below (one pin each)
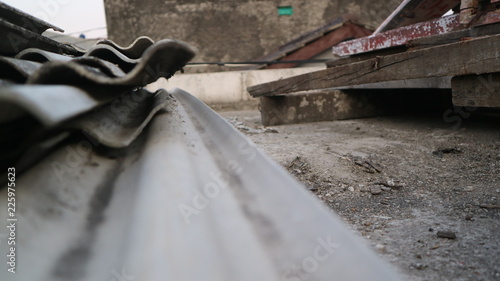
(74, 16)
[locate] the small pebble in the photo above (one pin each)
(420, 266)
(380, 248)
(375, 190)
(446, 234)
(469, 189)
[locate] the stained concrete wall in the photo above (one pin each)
(233, 30)
(226, 89)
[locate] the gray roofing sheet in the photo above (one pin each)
(22, 19)
(116, 183)
(190, 199)
(47, 92)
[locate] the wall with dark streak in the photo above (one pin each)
(233, 30)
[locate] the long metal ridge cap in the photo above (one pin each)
(192, 199)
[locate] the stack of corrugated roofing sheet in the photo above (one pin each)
(93, 195)
(19, 31)
(49, 90)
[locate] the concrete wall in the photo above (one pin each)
(222, 89)
(232, 30)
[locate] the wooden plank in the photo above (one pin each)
(455, 36)
(349, 104)
(468, 11)
(475, 56)
(476, 90)
(488, 18)
(365, 56)
(315, 107)
(414, 11)
(421, 83)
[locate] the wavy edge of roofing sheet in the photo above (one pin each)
(162, 59)
(132, 51)
(43, 80)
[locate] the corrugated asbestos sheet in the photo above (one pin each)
(116, 183)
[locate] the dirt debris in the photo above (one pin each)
(397, 181)
(440, 152)
(446, 234)
(249, 130)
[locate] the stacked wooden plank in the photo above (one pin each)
(440, 49)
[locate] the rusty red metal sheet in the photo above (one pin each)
(403, 35)
(397, 37)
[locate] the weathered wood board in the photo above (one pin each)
(476, 90)
(474, 56)
(349, 104)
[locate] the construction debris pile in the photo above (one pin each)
(414, 48)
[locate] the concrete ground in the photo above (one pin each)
(423, 190)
